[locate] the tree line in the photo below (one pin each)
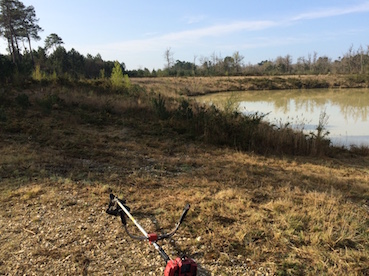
(352, 62)
(19, 27)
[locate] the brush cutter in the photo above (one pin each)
(181, 266)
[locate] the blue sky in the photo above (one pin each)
(138, 32)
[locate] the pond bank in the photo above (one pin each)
(192, 86)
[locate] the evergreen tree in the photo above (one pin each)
(10, 25)
(116, 77)
(53, 41)
(30, 27)
(18, 22)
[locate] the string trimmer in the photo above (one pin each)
(181, 266)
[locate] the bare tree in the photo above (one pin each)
(308, 62)
(300, 66)
(237, 60)
(216, 63)
(315, 58)
(348, 57)
(194, 65)
(204, 64)
(323, 65)
(361, 53)
(288, 62)
(168, 56)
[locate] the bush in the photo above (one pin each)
(37, 74)
(7, 69)
(313, 83)
(49, 102)
(118, 80)
(2, 114)
(160, 108)
(184, 111)
(23, 101)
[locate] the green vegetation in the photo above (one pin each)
(118, 80)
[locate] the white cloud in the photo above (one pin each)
(332, 12)
(219, 30)
(187, 36)
(153, 42)
(194, 19)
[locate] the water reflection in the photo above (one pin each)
(347, 110)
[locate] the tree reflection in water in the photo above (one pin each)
(347, 109)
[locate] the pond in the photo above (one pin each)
(345, 111)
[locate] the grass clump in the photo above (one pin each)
(160, 108)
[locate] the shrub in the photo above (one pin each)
(244, 132)
(185, 110)
(7, 69)
(160, 108)
(37, 74)
(360, 150)
(23, 101)
(126, 81)
(2, 114)
(314, 83)
(48, 102)
(320, 141)
(118, 80)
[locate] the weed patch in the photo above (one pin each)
(160, 108)
(49, 102)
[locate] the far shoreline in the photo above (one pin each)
(196, 86)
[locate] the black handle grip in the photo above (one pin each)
(115, 210)
(163, 254)
(185, 210)
(112, 208)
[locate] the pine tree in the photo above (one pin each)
(116, 77)
(18, 22)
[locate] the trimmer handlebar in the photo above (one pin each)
(185, 210)
(184, 213)
(181, 266)
(118, 207)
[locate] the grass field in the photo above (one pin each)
(64, 149)
(191, 86)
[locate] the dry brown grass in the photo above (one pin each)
(249, 213)
(174, 86)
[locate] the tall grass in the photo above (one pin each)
(226, 127)
(96, 103)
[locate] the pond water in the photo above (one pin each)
(345, 111)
